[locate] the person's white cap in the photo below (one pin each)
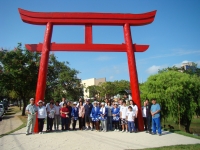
(94, 102)
(74, 103)
(31, 99)
(40, 101)
(102, 103)
(116, 103)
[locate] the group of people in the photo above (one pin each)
(105, 116)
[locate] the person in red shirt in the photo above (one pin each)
(64, 112)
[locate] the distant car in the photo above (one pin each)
(2, 110)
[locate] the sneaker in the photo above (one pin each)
(40, 133)
(118, 130)
(122, 131)
(153, 133)
(26, 133)
(126, 131)
(115, 130)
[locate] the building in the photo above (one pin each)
(90, 82)
(188, 66)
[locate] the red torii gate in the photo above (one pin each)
(88, 19)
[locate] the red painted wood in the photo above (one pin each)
(41, 83)
(77, 18)
(87, 47)
(88, 34)
(133, 74)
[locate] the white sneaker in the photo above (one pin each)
(118, 130)
(115, 130)
(122, 131)
(40, 132)
(126, 131)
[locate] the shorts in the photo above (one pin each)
(123, 121)
(88, 119)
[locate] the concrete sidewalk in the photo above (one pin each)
(88, 140)
(10, 122)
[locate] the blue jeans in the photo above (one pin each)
(109, 123)
(156, 123)
(131, 126)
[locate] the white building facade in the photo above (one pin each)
(91, 82)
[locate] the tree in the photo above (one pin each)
(176, 92)
(19, 69)
(19, 73)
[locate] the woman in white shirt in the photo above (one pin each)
(144, 116)
(42, 114)
(50, 116)
(135, 111)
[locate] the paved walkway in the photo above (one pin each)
(88, 140)
(9, 123)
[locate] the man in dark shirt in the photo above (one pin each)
(88, 108)
(70, 110)
(148, 116)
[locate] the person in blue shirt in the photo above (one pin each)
(155, 112)
(95, 115)
(103, 117)
(115, 113)
(74, 115)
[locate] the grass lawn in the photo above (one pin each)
(178, 147)
(194, 127)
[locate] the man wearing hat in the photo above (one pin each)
(88, 108)
(31, 110)
(74, 115)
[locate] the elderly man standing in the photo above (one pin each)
(31, 110)
(155, 112)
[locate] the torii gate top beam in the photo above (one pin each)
(76, 18)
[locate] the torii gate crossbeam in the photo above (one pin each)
(88, 20)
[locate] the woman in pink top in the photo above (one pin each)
(81, 115)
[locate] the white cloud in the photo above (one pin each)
(111, 77)
(174, 52)
(154, 69)
(103, 58)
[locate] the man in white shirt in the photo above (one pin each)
(63, 101)
(123, 112)
(144, 116)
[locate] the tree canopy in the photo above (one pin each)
(19, 73)
(178, 94)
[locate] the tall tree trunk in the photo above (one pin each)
(24, 106)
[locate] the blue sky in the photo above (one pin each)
(174, 36)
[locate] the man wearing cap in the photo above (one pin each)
(31, 110)
(88, 108)
(155, 112)
(74, 115)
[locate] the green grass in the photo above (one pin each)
(194, 127)
(177, 147)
